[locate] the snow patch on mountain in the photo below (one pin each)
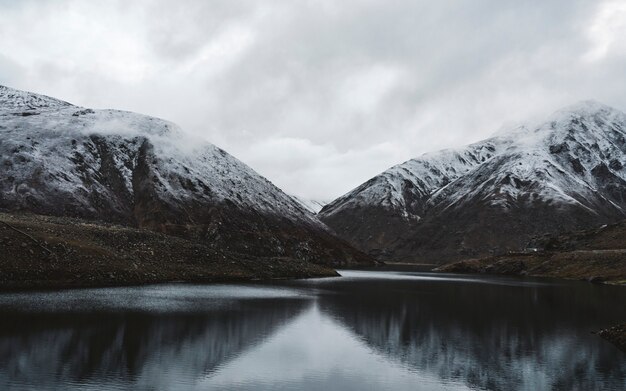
(313, 206)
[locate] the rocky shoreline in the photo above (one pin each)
(41, 252)
(616, 335)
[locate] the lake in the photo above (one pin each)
(367, 330)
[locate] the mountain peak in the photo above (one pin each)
(53, 113)
(586, 109)
(15, 100)
(585, 116)
(586, 106)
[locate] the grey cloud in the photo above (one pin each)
(321, 95)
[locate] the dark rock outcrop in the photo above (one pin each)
(615, 335)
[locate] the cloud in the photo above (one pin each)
(607, 30)
(317, 170)
(320, 95)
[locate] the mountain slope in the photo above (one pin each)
(45, 252)
(120, 167)
(563, 173)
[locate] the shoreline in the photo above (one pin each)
(45, 285)
(484, 267)
(591, 266)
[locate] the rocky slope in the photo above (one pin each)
(57, 252)
(563, 173)
(596, 255)
(119, 167)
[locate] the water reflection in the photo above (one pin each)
(505, 335)
(365, 331)
(138, 350)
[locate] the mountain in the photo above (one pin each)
(560, 174)
(313, 206)
(119, 167)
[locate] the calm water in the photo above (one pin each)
(364, 331)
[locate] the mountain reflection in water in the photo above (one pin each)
(368, 330)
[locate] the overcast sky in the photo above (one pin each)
(319, 96)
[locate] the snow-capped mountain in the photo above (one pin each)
(566, 172)
(313, 206)
(116, 166)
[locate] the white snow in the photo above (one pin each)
(312, 205)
